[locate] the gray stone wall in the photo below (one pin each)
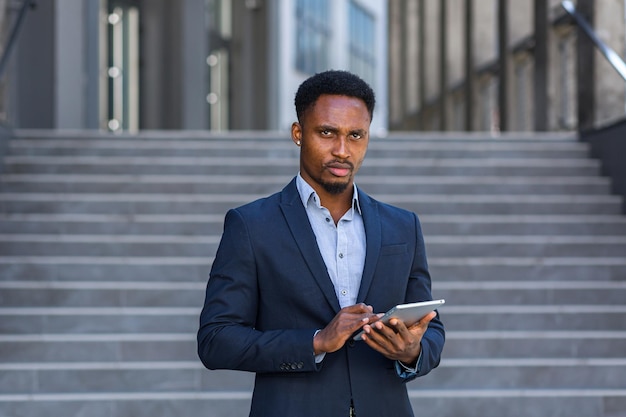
(530, 102)
(610, 87)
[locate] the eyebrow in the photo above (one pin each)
(361, 132)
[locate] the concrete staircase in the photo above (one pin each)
(106, 243)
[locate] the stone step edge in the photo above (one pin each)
(519, 199)
(247, 395)
(282, 180)
(374, 161)
(283, 135)
(219, 218)
(195, 311)
(538, 285)
(191, 337)
(283, 142)
(207, 261)
(183, 239)
(196, 364)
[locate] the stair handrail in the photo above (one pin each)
(614, 59)
(26, 4)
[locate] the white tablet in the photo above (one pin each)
(409, 313)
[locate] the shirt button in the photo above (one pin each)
(344, 292)
(341, 255)
(327, 220)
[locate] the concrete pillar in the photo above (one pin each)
(443, 66)
(469, 65)
(541, 107)
(194, 50)
(32, 83)
(503, 64)
(585, 65)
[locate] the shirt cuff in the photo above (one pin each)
(319, 358)
(404, 371)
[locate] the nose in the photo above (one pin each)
(341, 148)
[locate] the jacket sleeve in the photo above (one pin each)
(227, 337)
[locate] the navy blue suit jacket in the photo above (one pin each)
(269, 291)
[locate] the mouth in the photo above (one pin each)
(339, 169)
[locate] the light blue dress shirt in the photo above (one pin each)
(342, 246)
(343, 249)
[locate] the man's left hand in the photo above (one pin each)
(395, 341)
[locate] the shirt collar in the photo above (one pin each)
(307, 193)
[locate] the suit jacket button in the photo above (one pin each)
(300, 365)
(351, 343)
(294, 366)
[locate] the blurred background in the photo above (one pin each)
(449, 65)
(129, 127)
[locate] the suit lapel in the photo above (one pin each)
(297, 220)
(371, 221)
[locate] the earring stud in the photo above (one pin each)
(298, 143)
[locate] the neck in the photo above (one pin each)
(337, 204)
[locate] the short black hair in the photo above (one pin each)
(334, 82)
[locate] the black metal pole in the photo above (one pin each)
(14, 32)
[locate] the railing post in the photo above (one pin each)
(585, 70)
(469, 64)
(503, 63)
(443, 65)
(14, 31)
(541, 107)
(422, 63)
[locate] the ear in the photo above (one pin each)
(296, 133)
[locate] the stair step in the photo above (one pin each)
(287, 166)
(24, 320)
(206, 184)
(183, 224)
(183, 294)
(59, 347)
(283, 146)
(466, 403)
(196, 269)
(507, 373)
(161, 376)
(429, 204)
(197, 245)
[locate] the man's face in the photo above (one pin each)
(334, 135)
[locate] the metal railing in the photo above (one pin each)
(26, 4)
(614, 59)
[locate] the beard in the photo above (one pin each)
(334, 187)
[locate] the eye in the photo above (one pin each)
(356, 135)
(325, 132)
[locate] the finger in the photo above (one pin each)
(358, 308)
(382, 334)
(407, 336)
(400, 328)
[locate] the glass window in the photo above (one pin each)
(312, 35)
(362, 43)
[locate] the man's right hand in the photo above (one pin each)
(349, 319)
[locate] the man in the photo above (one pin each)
(298, 273)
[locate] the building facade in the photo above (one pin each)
(191, 64)
(503, 65)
